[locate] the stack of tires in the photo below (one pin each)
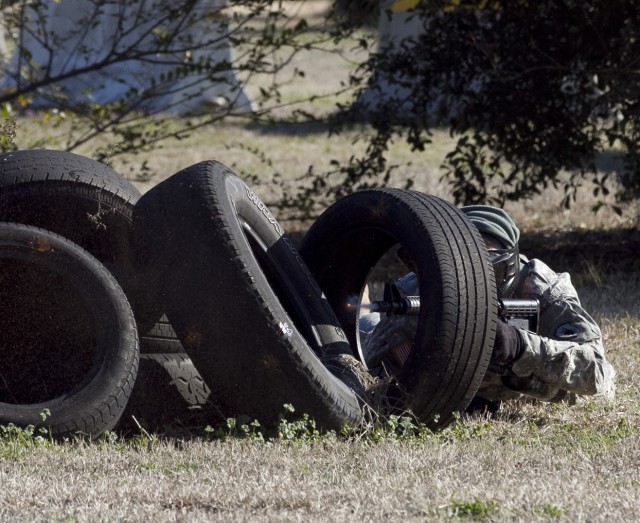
(191, 301)
(69, 337)
(88, 270)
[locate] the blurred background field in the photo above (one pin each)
(275, 149)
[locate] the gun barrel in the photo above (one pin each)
(521, 312)
(408, 306)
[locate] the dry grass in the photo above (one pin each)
(533, 462)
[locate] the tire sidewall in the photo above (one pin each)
(224, 302)
(317, 320)
(116, 351)
(344, 244)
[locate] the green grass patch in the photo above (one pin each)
(473, 509)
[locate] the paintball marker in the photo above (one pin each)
(521, 313)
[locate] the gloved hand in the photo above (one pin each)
(508, 346)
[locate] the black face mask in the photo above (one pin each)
(506, 266)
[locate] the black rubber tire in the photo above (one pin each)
(161, 339)
(82, 200)
(169, 394)
(69, 342)
(241, 300)
(456, 325)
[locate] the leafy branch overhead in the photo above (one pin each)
(531, 89)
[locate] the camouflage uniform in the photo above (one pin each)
(565, 355)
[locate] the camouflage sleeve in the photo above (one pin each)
(381, 334)
(567, 353)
